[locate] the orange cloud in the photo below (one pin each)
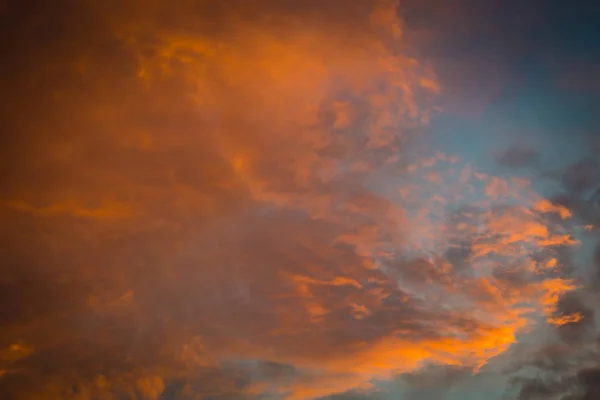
(546, 206)
(565, 319)
(251, 216)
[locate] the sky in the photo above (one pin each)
(300, 200)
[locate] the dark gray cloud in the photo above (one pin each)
(567, 368)
(572, 304)
(517, 157)
(582, 176)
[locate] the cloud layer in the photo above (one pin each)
(232, 201)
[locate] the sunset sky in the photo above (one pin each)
(300, 200)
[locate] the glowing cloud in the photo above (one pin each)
(232, 202)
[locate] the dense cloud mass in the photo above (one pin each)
(232, 200)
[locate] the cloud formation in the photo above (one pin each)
(517, 156)
(565, 364)
(227, 201)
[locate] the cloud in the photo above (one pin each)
(517, 156)
(581, 176)
(226, 201)
(565, 364)
(434, 382)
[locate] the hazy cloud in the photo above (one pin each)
(517, 156)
